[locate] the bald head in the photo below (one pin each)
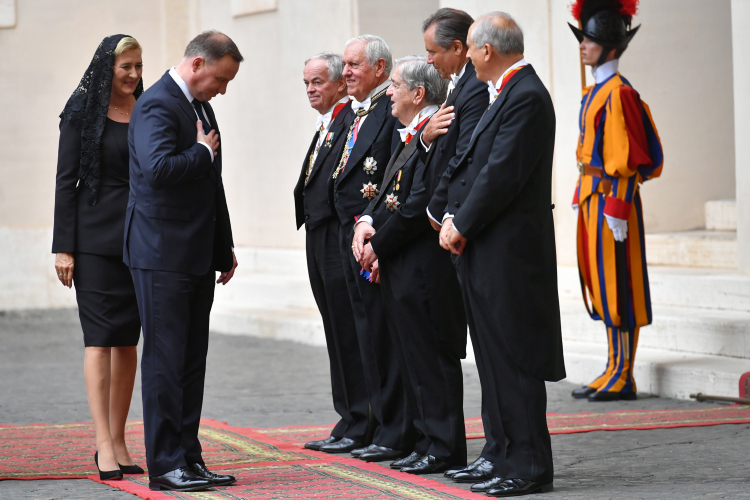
(500, 31)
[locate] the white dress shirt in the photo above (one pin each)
(356, 105)
(323, 125)
(185, 90)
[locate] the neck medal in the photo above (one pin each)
(369, 190)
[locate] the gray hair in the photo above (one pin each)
(506, 39)
(212, 45)
(375, 48)
(334, 63)
(415, 72)
(450, 25)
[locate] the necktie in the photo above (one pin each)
(199, 109)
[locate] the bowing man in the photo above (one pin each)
(418, 282)
(357, 179)
(499, 223)
(326, 91)
(442, 142)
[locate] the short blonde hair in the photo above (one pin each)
(127, 43)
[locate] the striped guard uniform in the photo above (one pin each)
(618, 149)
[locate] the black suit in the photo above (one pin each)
(469, 99)
(314, 210)
(177, 234)
(424, 305)
(500, 194)
(375, 142)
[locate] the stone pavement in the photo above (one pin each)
(253, 382)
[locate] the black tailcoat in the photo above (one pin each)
(422, 295)
(375, 142)
(469, 100)
(312, 202)
(500, 194)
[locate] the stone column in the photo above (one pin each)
(741, 63)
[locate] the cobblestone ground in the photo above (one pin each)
(254, 382)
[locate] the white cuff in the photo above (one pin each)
(447, 216)
(211, 151)
(426, 148)
(455, 229)
(364, 218)
(433, 218)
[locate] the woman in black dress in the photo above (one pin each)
(91, 196)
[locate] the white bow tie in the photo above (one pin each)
(404, 132)
(454, 80)
(492, 90)
(356, 105)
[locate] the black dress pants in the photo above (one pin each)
(489, 451)
(385, 386)
(424, 302)
(332, 296)
(516, 402)
(174, 309)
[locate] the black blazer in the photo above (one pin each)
(500, 192)
(377, 139)
(177, 218)
(312, 202)
(80, 227)
(397, 226)
(470, 99)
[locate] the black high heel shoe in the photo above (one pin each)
(107, 475)
(131, 469)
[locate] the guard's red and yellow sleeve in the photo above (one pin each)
(625, 149)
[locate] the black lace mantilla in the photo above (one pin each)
(87, 107)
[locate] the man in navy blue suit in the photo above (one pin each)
(177, 235)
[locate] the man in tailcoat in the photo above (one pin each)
(498, 221)
(442, 142)
(326, 90)
(357, 179)
(177, 235)
(418, 282)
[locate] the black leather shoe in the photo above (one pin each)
(428, 465)
(217, 479)
(107, 475)
(356, 452)
(600, 396)
(131, 469)
(315, 445)
(343, 445)
(407, 462)
(487, 485)
(518, 487)
(481, 472)
(455, 470)
(583, 392)
(381, 454)
(181, 479)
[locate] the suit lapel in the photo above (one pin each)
(367, 134)
(398, 160)
(176, 91)
(306, 162)
(499, 101)
(469, 73)
(325, 151)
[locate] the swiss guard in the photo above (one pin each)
(618, 149)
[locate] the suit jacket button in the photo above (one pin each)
(307, 217)
(441, 149)
(463, 182)
(214, 217)
(469, 160)
(457, 204)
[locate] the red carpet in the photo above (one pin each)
(270, 463)
(572, 423)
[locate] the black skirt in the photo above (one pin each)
(106, 301)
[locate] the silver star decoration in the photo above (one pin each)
(391, 202)
(370, 166)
